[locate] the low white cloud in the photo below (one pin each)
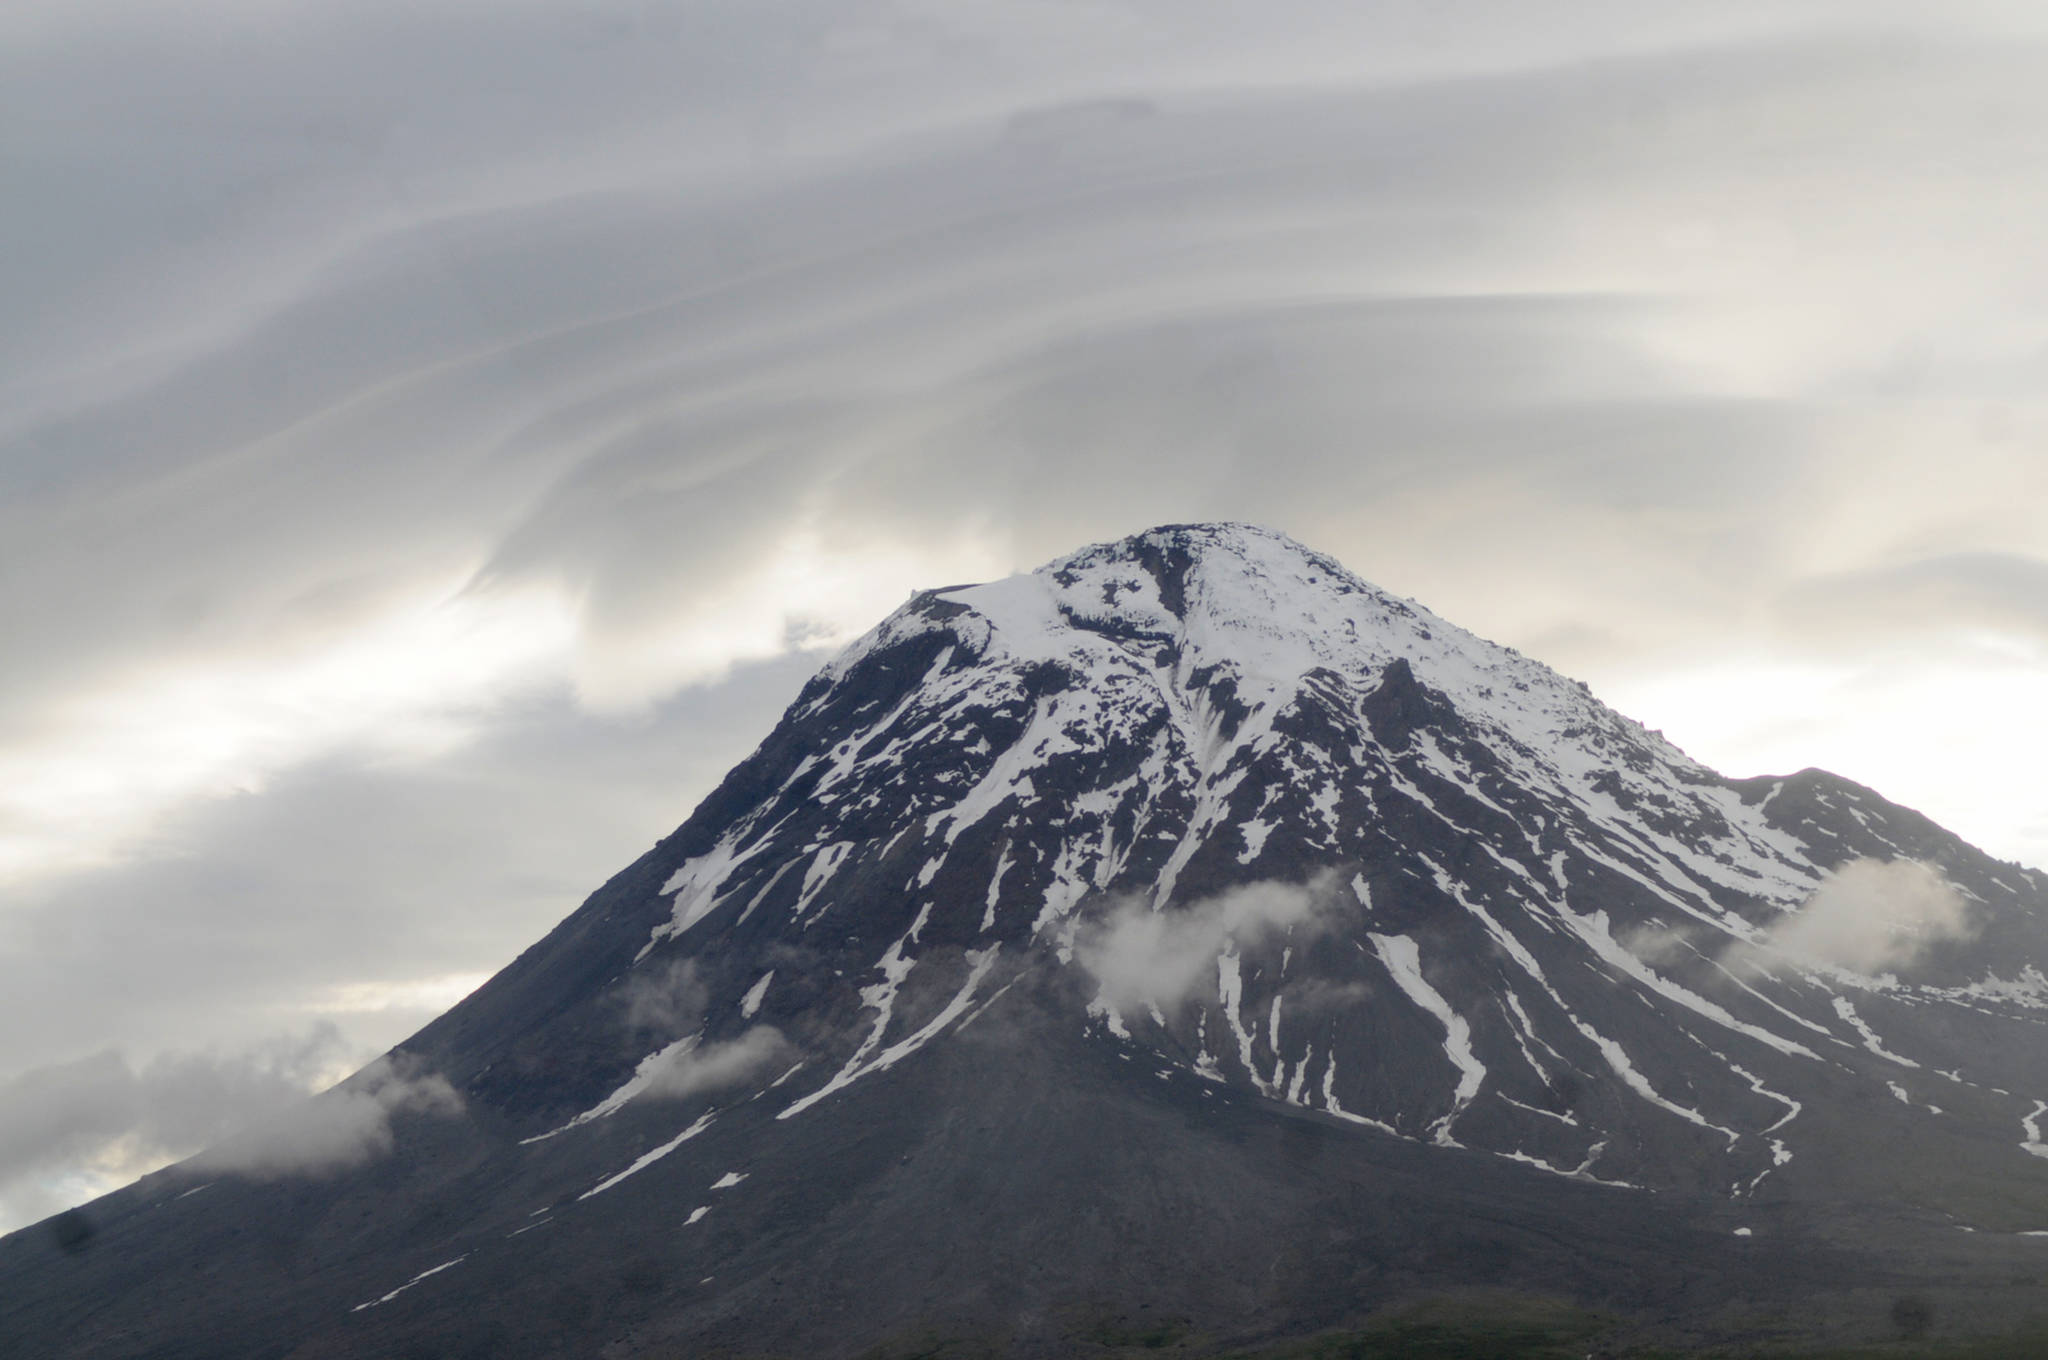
(1869, 916)
(666, 1000)
(1144, 957)
(73, 1130)
(1658, 946)
(717, 1066)
(340, 1128)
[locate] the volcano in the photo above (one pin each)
(1185, 945)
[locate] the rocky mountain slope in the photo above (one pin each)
(1190, 929)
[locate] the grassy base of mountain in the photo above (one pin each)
(1489, 1327)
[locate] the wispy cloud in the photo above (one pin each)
(74, 1129)
(108, 762)
(667, 999)
(1868, 916)
(339, 1128)
(1140, 956)
(719, 1065)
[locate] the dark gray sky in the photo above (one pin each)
(436, 438)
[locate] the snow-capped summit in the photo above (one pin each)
(1567, 924)
(1226, 627)
(1088, 934)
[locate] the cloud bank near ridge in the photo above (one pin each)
(87, 1125)
(719, 1065)
(1869, 916)
(1142, 957)
(345, 1126)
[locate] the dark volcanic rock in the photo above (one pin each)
(1188, 929)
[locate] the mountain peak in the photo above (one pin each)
(1241, 619)
(1171, 553)
(1234, 851)
(1236, 595)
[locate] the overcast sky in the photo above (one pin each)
(437, 437)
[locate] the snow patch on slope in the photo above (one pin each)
(648, 1159)
(1403, 962)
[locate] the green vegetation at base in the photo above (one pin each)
(1520, 1328)
(1156, 1335)
(935, 1346)
(2030, 1343)
(1456, 1329)
(1469, 1327)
